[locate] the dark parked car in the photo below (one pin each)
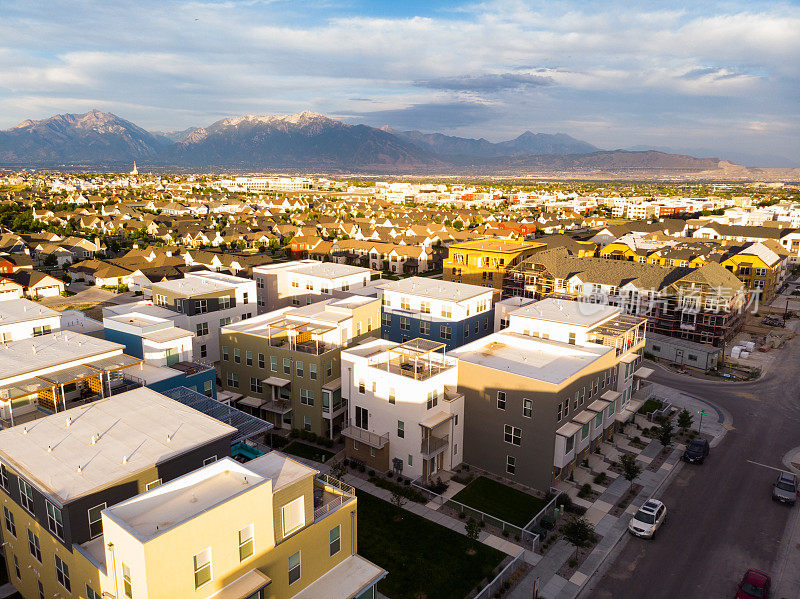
(754, 585)
(785, 488)
(696, 452)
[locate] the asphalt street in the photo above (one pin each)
(721, 518)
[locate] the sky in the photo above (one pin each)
(710, 78)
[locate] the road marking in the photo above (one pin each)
(770, 467)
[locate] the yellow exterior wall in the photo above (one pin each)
(473, 255)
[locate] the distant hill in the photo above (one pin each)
(313, 142)
(93, 137)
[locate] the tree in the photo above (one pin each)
(398, 498)
(665, 432)
(630, 468)
(685, 420)
(338, 470)
(578, 533)
(472, 529)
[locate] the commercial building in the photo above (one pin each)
(203, 302)
(403, 410)
(22, 319)
(442, 311)
(484, 261)
(542, 393)
(302, 282)
(284, 365)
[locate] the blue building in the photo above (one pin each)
(165, 348)
(442, 311)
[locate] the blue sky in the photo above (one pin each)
(711, 78)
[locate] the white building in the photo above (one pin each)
(22, 319)
(302, 282)
(403, 409)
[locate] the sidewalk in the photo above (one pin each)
(717, 422)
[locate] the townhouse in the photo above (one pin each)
(23, 319)
(442, 311)
(205, 301)
(284, 365)
(403, 410)
(484, 261)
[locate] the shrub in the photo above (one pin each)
(399, 478)
(294, 433)
(408, 493)
(517, 537)
(362, 468)
(600, 479)
(389, 474)
(372, 473)
(547, 522)
(407, 482)
(505, 533)
(462, 515)
(573, 562)
(585, 491)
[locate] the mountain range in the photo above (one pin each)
(313, 142)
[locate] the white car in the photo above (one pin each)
(648, 519)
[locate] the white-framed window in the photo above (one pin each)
(34, 547)
(405, 323)
(391, 395)
(425, 307)
(127, 580)
(294, 568)
(4, 477)
(62, 573)
(312, 372)
(386, 319)
(307, 397)
(445, 332)
(202, 329)
(512, 434)
(54, 521)
(233, 380)
(401, 429)
(152, 484)
(256, 384)
(9, 520)
(26, 495)
(433, 399)
(335, 540)
(202, 568)
(527, 407)
(293, 516)
(96, 521)
(424, 327)
(501, 400)
(246, 545)
(91, 593)
(511, 464)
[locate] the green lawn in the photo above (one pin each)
(651, 405)
(500, 501)
(304, 450)
(425, 560)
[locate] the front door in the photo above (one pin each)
(172, 356)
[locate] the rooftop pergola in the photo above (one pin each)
(298, 331)
(417, 358)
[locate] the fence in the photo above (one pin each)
(529, 535)
(502, 578)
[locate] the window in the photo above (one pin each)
(572, 338)
(203, 351)
(294, 568)
(40, 587)
(202, 568)
(527, 408)
(401, 429)
(410, 460)
(256, 385)
(91, 593)
(433, 399)
(261, 362)
(298, 365)
(26, 495)
(294, 516)
(335, 540)
(273, 363)
(42, 330)
(584, 431)
(287, 366)
(248, 358)
(361, 387)
(405, 323)
(16, 568)
(62, 573)
(202, 329)
(455, 448)
(237, 355)
(404, 303)
(511, 464)
(4, 477)
(312, 372)
(424, 327)
(233, 380)
(224, 302)
(445, 332)
(225, 355)
(200, 306)
(446, 312)
(501, 400)
(9, 518)
(208, 388)
(224, 321)
(152, 484)
(330, 368)
(598, 420)
(570, 444)
(245, 542)
(503, 323)
(362, 418)
(307, 397)
(209, 460)
(34, 547)
(611, 408)
(245, 297)
(512, 434)
(559, 411)
(386, 320)
(391, 395)
(95, 521)
(425, 307)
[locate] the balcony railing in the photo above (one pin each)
(372, 439)
(329, 495)
(432, 445)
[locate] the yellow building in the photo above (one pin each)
(484, 261)
(132, 497)
(759, 267)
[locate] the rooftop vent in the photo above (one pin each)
(49, 449)
(124, 459)
(69, 421)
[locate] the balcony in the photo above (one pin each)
(623, 333)
(329, 495)
(364, 436)
(432, 445)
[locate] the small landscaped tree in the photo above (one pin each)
(630, 467)
(398, 499)
(472, 528)
(665, 432)
(685, 420)
(578, 533)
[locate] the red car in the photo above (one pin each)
(754, 585)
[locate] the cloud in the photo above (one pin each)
(434, 116)
(486, 83)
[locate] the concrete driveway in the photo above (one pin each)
(722, 520)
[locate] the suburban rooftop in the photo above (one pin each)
(436, 289)
(495, 245)
(572, 312)
(132, 431)
(22, 310)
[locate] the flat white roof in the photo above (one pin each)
(22, 310)
(437, 289)
(131, 434)
(331, 270)
(543, 360)
(220, 277)
(36, 353)
(191, 286)
(326, 312)
(582, 314)
(346, 579)
(142, 307)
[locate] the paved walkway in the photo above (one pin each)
(7, 590)
(717, 422)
